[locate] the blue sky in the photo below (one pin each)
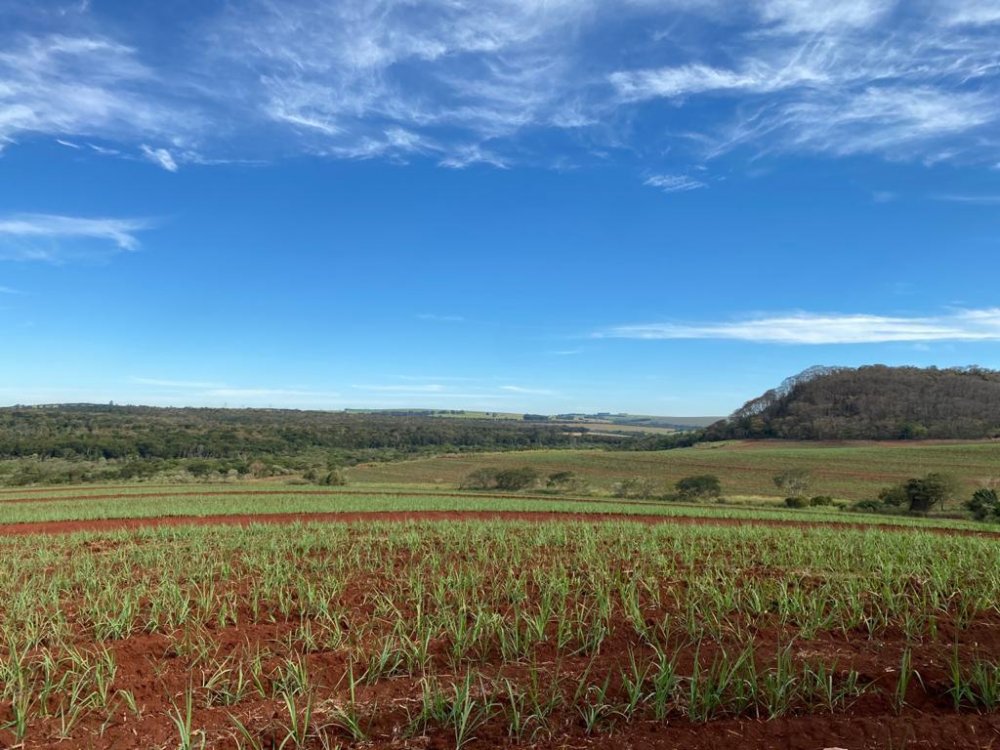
(573, 205)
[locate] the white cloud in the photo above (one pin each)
(674, 183)
(463, 391)
(820, 15)
(425, 388)
(972, 12)
(527, 391)
(813, 328)
(697, 79)
(866, 84)
(461, 157)
(54, 238)
(434, 317)
(981, 200)
(886, 119)
(166, 383)
(72, 85)
(293, 394)
(160, 156)
(197, 391)
(504, 82)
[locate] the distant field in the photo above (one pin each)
(851, 471)
(612, 428)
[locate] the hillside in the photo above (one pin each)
(872, 403)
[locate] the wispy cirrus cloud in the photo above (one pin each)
(81, 84)
(168, 383)
(674, 183)
(972, 12)
(479, 393)
(857, 77)
(160, 156)
(439, 318)
(505, 82)
(206, 391)
(527, 391)
(55, 238)
(409, 388)
(822, 15)
(981, 200)
(818, 329)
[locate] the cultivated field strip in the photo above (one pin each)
(87, 506)
(847, 470)
(485, 634)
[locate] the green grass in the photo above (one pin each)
(850, 471)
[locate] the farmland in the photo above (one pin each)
(848, 470)
(485, 633)
(105, 506)
(401, 611)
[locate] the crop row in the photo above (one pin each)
(532, 627)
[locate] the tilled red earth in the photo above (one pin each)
(150, 667)
(152, 670)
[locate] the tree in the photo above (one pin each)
(699, 487)
(926, 492)
(793, 481)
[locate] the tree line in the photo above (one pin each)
(95, 432)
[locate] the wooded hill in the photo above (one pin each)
(872, 403)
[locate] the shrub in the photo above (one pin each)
(820, 500)
(984, 504)
(335, 478)
(795, 481)
(868, 506)
(797, 501)
(566, 481)
(634, 487)
(480, 479)
(894, 496)
(560, 479)
(699, 487)
(512, 480)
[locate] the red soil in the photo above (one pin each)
(152, 670)
(150, 667)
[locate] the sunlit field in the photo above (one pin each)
(497, 633)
